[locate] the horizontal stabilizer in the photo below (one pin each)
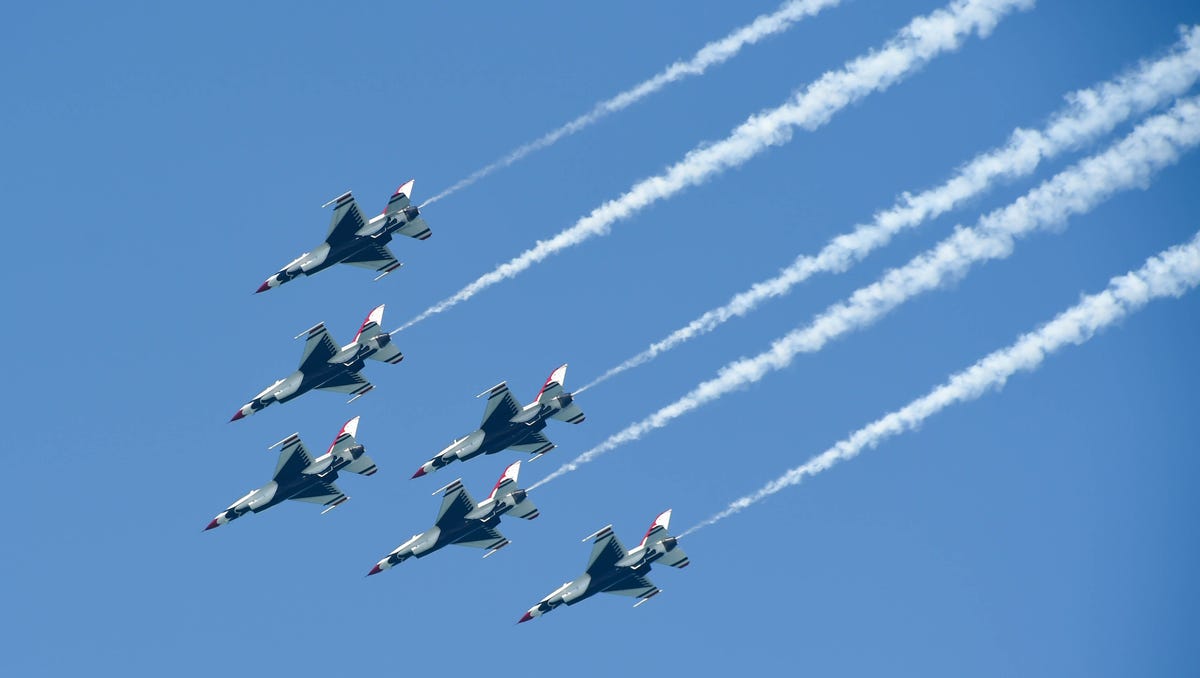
(364, 465)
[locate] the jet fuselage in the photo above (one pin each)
(493, 439)
(350, 359)
(487, 513)
(377, 232)
(323, 469)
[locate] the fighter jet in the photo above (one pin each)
(327, 367)
(612, 569)
(461, 521)
(507, 425)
(354, 240)
(300, 477)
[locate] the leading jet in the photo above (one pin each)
(356, 241)
(461, 521)
(612, 569)
(325, 366)
(301, 478)
(507, 425)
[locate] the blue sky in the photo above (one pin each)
(162, 161)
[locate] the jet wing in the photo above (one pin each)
(319, 347)
(534, 443)
(346, 221)
(321, 492)
(456, 504)
(634, 585)
(606, 551)
(293, 459)
(501, 407)
(348, 382)
(483, 537)
(375, 257)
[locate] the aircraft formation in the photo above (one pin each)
(506, 425)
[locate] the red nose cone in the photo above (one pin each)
(237, 415)
(263, 287)
(420, 472)
(375, 570)
(211, 525)
(526, 618)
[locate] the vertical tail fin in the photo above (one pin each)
(554, 384)
(400, 208)
(371, 331)
(508, 490)
(400, 199)
(345, 444)
(554, 395)
(659, 538)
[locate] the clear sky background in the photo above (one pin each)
(160, 160)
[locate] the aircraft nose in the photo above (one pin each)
(240, 414)
(264, 287)
(211, 525)
(375, 570)
(525, 618)
(420, 472)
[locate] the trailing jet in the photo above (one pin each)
(507, 425)
(461, 521)
(354, 240)
(300, 477)
(612, 569)
(325, 366)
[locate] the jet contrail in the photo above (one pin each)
(914, 46)
(1171, 273)
(1154, 144)
(712, 54)
(1089, 114)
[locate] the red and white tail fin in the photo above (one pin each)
(372, 331)
(401, 198)
(400, 207)
(372, 326)
(507, 481)
(345, 443)
(507, 485)
(554, 384)
(554, 395)
(658, 537)
(658, 529)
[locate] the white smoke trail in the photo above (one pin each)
(1155, 143)
(1171, 273)
(915, 45)
(1089, 114)
(712, 54)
